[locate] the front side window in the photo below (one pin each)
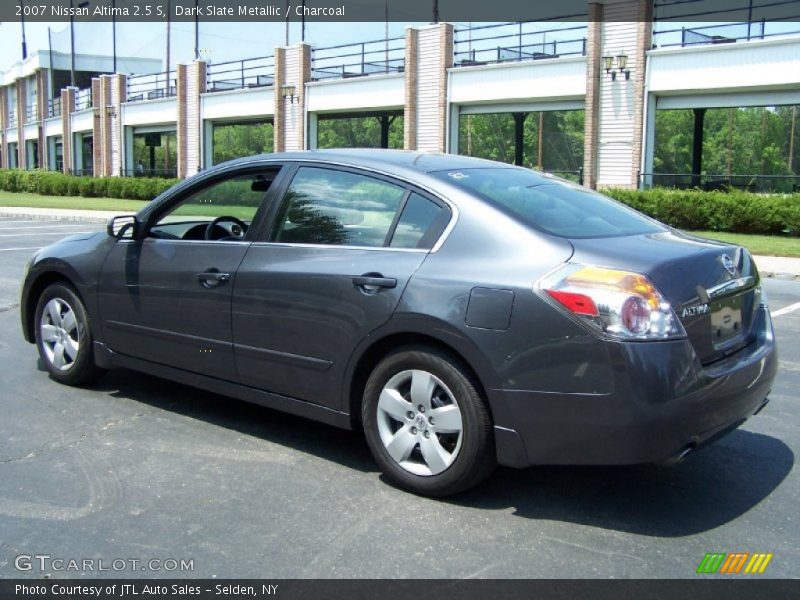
(330, 207)
(553, 206)
(223, 210)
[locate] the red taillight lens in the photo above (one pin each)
(580, 304)
(617, 303)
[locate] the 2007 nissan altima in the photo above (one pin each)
(462, 312)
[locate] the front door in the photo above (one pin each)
(166, 297)
(330, 270)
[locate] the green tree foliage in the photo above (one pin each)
(357, 132)
(492, 136)
(165, 155)
(234, 140)
(736, 141)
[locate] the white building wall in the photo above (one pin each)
(193, 129)
(616, 120)
(238, 104)
(363, 93)
(430, 72)
(293, 114)
(82, 120)
(116, 133)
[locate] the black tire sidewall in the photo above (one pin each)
(476, 457)
(84, 369)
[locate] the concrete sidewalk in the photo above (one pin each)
(778, 267)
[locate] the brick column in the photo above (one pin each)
(41, 114)
(592, 106)
(22, 116)
(105, 105)
(426, 86)
(192, 144)
(67, 108)
(292, 67)
(644, 40)
(3, 126)
(98, 105)
(410, 107)
(119, 95)
(180, 126)
(278, 116)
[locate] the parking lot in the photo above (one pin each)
(140, 469)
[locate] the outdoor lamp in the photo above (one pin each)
(288, 92)
(608, 63)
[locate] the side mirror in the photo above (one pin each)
(122, 227)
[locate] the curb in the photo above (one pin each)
(779, 275)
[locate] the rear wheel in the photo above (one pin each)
(426, 423)
(64, 336)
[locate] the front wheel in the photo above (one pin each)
(64, 336)
(426, 423)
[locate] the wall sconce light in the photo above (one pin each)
(288, 92)
(622, 62)
(111, 111)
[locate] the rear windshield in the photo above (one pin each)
(556, 207)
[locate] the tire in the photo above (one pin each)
(64, 336)
(426, 423)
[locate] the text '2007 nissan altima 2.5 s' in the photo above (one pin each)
(462, 312)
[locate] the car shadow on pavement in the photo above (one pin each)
(277, 427)
(710, 488)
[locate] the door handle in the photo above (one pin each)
(374, 281)
(211, 279)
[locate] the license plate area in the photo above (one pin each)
(726, 320)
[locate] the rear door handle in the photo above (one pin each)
(376, 281)
(211, 279)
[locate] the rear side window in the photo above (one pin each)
(325, 206)
(420, 224)
(555, 207)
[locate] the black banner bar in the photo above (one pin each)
(399, 10)
(702, 588)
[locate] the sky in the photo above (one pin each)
(219, 42)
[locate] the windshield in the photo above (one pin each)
(552, 205)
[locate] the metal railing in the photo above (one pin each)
(146, 172)
(359, 59)
(12, 118)
(31, 113)
(241, 74)
(515, 42)
(54, 107)
(83, 99)
(82, 172)
(574, 175)
(739, 21)
(152, 86)
(706, 182)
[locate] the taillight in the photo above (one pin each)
(618, 303)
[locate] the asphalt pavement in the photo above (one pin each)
(137, 469)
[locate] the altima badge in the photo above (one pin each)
(693, 311)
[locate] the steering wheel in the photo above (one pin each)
(213, 224)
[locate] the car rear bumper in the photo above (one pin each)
(663, 403)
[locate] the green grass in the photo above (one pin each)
(765, 245)
(71, 202)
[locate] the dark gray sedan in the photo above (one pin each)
(463, 313)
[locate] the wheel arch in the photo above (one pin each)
(37, 285)
(384, 341)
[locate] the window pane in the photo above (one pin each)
(417, 219)
(556, 207)
(238, 197)
(323, 206)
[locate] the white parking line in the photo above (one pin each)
(16, 249)
(787, 309)
(61, 233)
(19, 227)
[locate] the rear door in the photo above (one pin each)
(330, 269)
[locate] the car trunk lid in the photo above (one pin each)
(712, 286)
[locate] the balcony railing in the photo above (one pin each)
(676, 22)
(12, 118)
(241, 74)
(515, 42)
(171, 173)
(359, 59)
(83, 99)
(31, 113)
(54, 107)
(152, 86)
(750, 183)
